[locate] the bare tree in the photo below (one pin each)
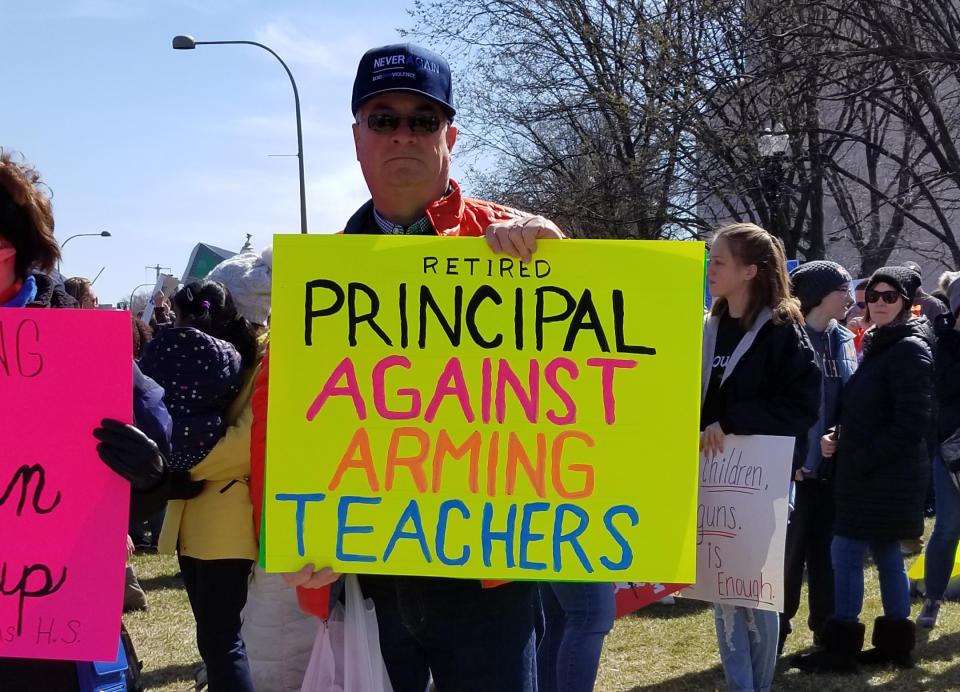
(829, 123)
(578, 108)
(896, 64)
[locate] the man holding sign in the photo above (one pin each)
(440, 415)
(404, 133)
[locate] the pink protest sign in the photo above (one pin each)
(63, 514)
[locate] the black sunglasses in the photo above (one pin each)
(888, 297)
(419, 123)
(861, 305)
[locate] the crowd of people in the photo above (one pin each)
(864, 375)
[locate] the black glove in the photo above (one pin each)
(182, 487)
(129, 452)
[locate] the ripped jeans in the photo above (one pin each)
(748, 646)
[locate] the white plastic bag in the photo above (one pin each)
(363, 662)
(346, 652)
(325, 669)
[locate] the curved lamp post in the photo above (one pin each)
(184, 42)
(101, 234)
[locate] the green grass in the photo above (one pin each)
(662, 648)
(164, 634)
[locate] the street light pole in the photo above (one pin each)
(101, 234)
(184, 42)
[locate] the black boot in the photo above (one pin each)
(842, 641)
(893, 640)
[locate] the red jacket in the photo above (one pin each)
(452, 215)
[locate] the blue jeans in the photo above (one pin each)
(748, 646)
(942, 548)
(217, 590)
(578, 616)
(469, 638)
(847, 555)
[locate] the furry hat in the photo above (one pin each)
(248, 277)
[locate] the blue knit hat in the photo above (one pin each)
(403, 67)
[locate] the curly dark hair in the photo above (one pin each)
(26, 216)
(208, 306)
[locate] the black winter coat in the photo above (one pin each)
(948, 381)
(774, 389)
(882, 468)
(51, 294)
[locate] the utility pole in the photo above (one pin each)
(158, 269)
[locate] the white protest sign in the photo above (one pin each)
(742, 522)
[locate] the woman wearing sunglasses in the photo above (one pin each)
(760, 377)
(882, 471)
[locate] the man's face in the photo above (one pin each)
(860, 302)
(403, 161)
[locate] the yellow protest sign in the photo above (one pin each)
(916, 572)
(439, 410)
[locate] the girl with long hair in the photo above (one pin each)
(760, 377)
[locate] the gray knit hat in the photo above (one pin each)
(248, 277)
(814, 281)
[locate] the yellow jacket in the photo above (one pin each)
(217, 524)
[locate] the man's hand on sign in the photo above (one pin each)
(310, 579)
(828, 445)
(711, 440)
(517, 237)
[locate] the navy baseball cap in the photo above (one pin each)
(403, 67)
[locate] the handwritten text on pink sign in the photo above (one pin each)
(63, 514)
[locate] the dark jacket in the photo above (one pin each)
(200, 376)
(882, 467)
(948, 381)
(51, 294)
(843, 356)
(149, 412)
(772, 387)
